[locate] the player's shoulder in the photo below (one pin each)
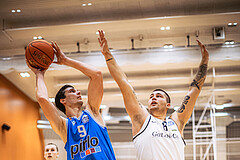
(170, 121)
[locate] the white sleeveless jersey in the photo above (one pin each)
(159, 140)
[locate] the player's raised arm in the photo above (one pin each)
(135, 110)
(95, 87)
(182, 115)
(57, 122)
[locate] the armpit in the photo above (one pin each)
(138, 118)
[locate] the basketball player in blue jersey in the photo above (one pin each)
(83, 132)
(155, 136)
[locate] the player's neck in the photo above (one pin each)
(74, 111)
(159, 115)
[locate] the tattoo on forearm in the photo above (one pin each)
(200, 77)
(109, 59)
(137, 99)
(201, 72)
(185, 101)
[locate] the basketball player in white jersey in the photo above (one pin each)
(156, 137)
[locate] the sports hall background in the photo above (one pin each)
(154, 41)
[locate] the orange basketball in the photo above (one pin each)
(39, 54)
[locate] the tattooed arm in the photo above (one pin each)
(182, 115)
(135, 110)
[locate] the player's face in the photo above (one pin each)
(51, 152)
(73, 96)
(157, 100)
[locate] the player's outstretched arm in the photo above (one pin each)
(182, 115)
(136, 111)
(57, 122)
(95, 87)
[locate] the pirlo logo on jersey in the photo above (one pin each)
(84, 147)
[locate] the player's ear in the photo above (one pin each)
(63, 101)
(57, 154)
(168, 105)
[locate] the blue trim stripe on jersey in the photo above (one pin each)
(143, 130)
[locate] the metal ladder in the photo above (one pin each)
(205, 138)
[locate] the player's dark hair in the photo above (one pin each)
(54, 145)
(61, 95)
(167, 96)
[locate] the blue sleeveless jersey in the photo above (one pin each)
(87, 140)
